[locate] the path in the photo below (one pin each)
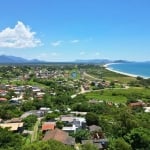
(90, 76)
(35, 130)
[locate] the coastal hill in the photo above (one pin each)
(101, 61)
(13, 59)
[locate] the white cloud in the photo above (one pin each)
(20, 36)
(75, 41)
(56, 43)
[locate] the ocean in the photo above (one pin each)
(141, 69)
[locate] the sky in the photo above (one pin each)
(67, 30)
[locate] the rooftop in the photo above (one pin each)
(60, 136)
(12, 126)
(48, 126)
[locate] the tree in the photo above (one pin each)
(10, 140)
(92, 119)
(81, 135)
(59, 124)
(8, 111)
(125, 122)
(29, 121)
(48, 145)
(89, 146)
(119, 144)
(26, 106)
(51, 116)
(139, 138)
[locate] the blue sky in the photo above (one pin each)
(66, 30)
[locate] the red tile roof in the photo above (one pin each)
(48, 126)
(3, 99)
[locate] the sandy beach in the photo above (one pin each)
(124, 73)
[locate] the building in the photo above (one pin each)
(15, 127)
(3, 99)
(60, 136)
(71, 129)
(94, 128)
(136, 104)
(48, 126)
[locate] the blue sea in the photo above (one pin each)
(136, 68)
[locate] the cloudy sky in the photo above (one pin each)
(66, 30)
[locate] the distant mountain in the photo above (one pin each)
(4, 59)
(101, 61)
(13, 59)
(121, 61)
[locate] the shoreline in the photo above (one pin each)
(123, 73)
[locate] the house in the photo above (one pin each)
(78, 113)
(73, 122)
(136, 104)
(98, 137)
(94, 128)
(15, 127)
(48, 126)
(67, 118)
(71, 129)
(146, 109)
(44, 109)
(60, 136)
(70, 119)
(36, 89)
(14, 120)
(3, 99)
(3, 92)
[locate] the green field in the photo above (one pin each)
(102, 73)
(120, 95)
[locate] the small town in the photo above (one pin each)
(76, 105)
(75, 75)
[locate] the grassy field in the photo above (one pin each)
(120, 95)
(103, 73)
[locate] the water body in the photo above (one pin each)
(74, 75)
(132, 69)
